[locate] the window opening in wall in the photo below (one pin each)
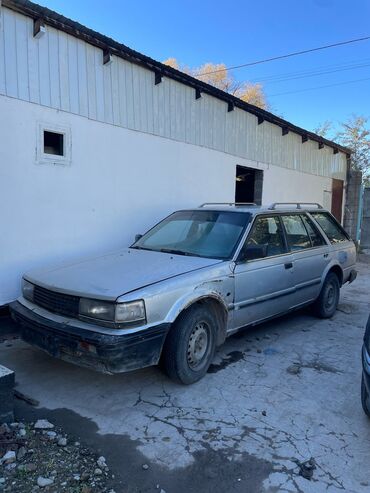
(248, 185)
(53, 143)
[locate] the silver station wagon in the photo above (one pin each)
(184, 286)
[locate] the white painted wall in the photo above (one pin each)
(119, 182)
(60, 71)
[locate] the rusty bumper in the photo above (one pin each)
(101, 352)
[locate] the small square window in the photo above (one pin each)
(53, 143)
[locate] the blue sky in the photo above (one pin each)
(235, 32)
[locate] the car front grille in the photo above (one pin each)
(63, 304)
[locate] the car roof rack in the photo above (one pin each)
(297, 205)
(231, 204)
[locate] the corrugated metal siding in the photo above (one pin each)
(62, 72)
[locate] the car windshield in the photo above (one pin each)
(210, 234)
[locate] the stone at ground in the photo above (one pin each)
(98, 471)
(43, 424)
(22, 451)
(101, 462)
(27, 467)
(9, 457)
(62, 442)
(145, 467)
(42, 482)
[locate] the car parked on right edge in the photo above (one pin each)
(365, 381)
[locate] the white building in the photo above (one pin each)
(98, 141)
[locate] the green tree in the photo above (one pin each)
(324, 128)
(355, 134)
(218, 76)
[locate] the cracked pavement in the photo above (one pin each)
(275, 396)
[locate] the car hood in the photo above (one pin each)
(110, 276)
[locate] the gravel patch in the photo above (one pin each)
(39, 457)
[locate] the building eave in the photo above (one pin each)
(108, 45)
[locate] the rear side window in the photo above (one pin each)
(315, 235)
(331, 228)
(296, 232)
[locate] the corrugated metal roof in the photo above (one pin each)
(105, 43)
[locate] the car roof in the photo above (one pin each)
(280, 207)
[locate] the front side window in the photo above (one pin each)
(296, 232)
(265, 240)
(329, 225)
(201, 233)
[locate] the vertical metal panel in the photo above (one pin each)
(122, 94)
(54, 75)
(115, 92)
(108, 102)
(33, 64)
(11, 80)
(91, 82)
(83, 102)
(62, 72)
(44, 69)
(129, 96)
(22, 62)
(99, 84)
(73, 82)
(2, 54)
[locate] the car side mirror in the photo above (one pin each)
(253, 252)
(137, 237)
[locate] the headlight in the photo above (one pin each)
(133, 311)
(103, 310)
(113, 313)
(27, 290)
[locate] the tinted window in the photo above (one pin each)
(201, 233)
(267, 231)
(331, 228)
(297, 236)
(315, 236)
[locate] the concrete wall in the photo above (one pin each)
(62, 72)
(116, 184)
(352, 204)
(365, 225)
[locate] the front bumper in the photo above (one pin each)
(366, 368)
(101, 352)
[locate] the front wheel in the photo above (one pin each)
(190, 345)
(326, 304)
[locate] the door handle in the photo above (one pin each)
(288, 265)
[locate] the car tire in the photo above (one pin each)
(365, 398)
(190, 345)
(326, 304)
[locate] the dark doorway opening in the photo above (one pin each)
(337, 199)
(248, 185)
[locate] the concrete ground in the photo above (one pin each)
(284, 392)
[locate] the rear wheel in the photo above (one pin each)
(327, 302)
(190, 345)
(365, 398)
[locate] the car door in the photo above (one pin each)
(311, 256)
(263, 279)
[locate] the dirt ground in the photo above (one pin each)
(275, 397)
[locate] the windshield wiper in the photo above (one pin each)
(178, 252)
(142, 248)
